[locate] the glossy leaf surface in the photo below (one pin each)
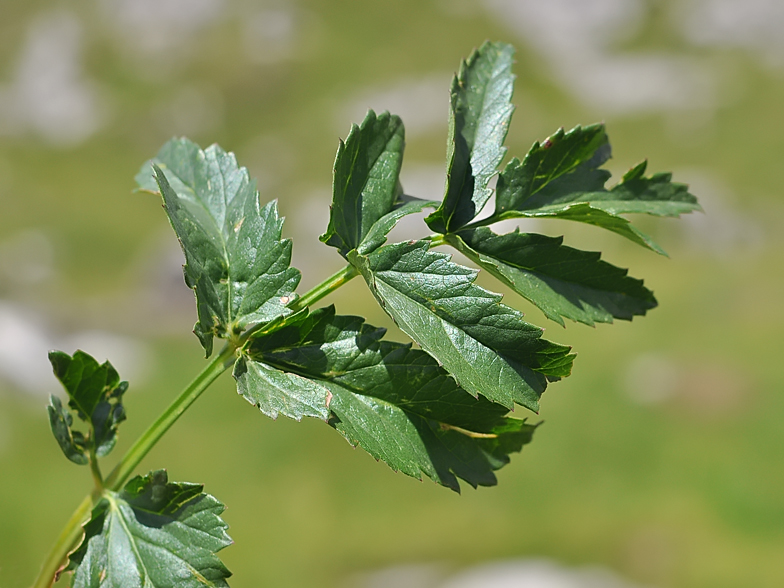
(95, 392)
(235, 259)
(560, 280)
(394, 401)
(153, 534)
(377, 235)
(561, 178)
(365, 183)
(484, 344)
(479, 117)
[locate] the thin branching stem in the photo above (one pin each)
(72, 532)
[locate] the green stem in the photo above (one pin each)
(219, 364)
(96, 471)
(72, 532)
(65, 543)
(328, 286)
(482, 223)
(437, 239)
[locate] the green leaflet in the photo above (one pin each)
(235, 258)
(277, 392)
(365, 183)
(561, 178)
(153, 533)
(95, 393)
(484, 344)
(377, 235)
(479, 118)
(561, 281)
(394, 401)
(564, 163)
(586, 212)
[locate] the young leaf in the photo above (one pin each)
(95, 393)
(153, 533)
(235, 258)
(73, 443)
(365, 184)
(479, 117)
(394, 401)
(561, 281)
(484, 344)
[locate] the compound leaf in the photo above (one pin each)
(235, 259)
(154, 533)
(394, 401)
(479, 118)
(95, 393)
(365, 182)
(560, 280)
(484, 344)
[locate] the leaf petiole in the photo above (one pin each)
(326, 287)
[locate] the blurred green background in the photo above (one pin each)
(661, 457)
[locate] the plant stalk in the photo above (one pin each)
(67, 540)
(219, 364)
(72, 532)
(328, 286)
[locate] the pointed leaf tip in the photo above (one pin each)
(480, 113)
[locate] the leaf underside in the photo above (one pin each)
(153, 534)
(236, 261)
(484, 344)
(561, 281)
(395, 402)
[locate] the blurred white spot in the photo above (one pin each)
(269, 36)
(721, 229)
(49, 94)
(751, 24)
(401, 576)
(575, 37)
(424, 181)
(157, 26)
(26, 258)
(25, 342)
(422, 104)
(190, 111)
(652, 379)
(534, 574)
(703, 388)
(506, 574)
(314, 259)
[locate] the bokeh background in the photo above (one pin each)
(660, 462)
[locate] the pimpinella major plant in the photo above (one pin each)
(440, 409)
